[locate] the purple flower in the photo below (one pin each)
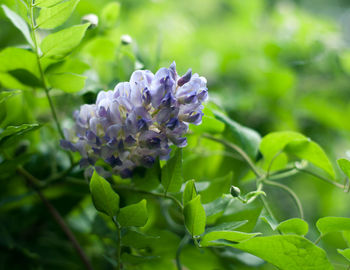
(136, 123)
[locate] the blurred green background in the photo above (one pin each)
(271, 65)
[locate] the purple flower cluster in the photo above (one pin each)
(135, 123)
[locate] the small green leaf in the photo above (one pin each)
(293, 226)
(4, 95)
(345, 253)
(344, 165)
(333, 224)
(110, 14)
(47, 3)
(16, 130)
(137, 239)
(68, 82)
(55, 16)
(195, 216)
(287, 252)
(227, 226)
(248, 139)
(216, 188)
(213, 238)
(133, 215)
(296, 144)
(172, 173)
(19, 23)
(61, 43)
(312, 152)
(25, 77)
(12, 58)
(189, 192)
(105, 199)
(275, 142)
(217, 206)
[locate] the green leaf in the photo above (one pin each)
(344, 165)
(209, 123)
(275, 142)
(172, 173)
(227, 226)
(152, 176)
(287, 252)
(105, 199)
(133, 215)
(61, 43)
(296, 144)
(189, 192)
(68, 82)
(345, 253)
(213, 238)
(333, 224)
(12, 58)
(195, 216)
(138, 239)
(312, 152)
(110, 14)
(25, 77)
(19, 23)
(246, 138)
(216, 188)
(4, 95)
(293, 226)
(11, 131)
(55, 16)
(47, 3)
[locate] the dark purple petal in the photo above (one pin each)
(114, 161)
(126, 173)
(148, 161)
(67, 145)
(185, 78)
(172, 123)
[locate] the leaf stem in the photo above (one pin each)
(237, 149)
(57, 217)
(321, 177)
(42, 75)
(119, 242)
(183, 242)
(267, 207)
(291, 193)
(318, 239)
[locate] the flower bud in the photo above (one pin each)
(235, 191)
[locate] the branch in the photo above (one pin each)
(57, 217)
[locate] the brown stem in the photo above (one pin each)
(57, 217)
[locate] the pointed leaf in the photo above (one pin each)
(333, 224)
(19, 23)
(4, 95)
(287, 252)
(195, 216)
(47, 3)
(105, 199)
(216, 188)
(110, 14)
(51, 17)
(68, 82)
(345, 253)
(189, 192)
(133, 215)
(293, 226)
(248, 139)
(344, 165)
(61, 43)
(214, 238)
(172, 173)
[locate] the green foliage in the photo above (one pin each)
(110, 13)
(344, 165)
(333, 224)
(105, 199)
(68, 82)
(345, 253)
(293, 226)
(287, 252)
(189, 192)
(133, 215)
(19, 22)
(215, 238)
(55, 16)
(172, 173)
(194, 215)
(61, 43)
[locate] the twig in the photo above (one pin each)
(322, 178)
(237, 149)
(183, 242)
(57, 217)
(291, 193)
(119, 242)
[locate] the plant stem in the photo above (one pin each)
(318, 239)
(57, 217)
(183, 242)
(322, 178)
(156, 194)
(237, 149)
(291, 193)
(36, 49)
(119, 242)
(267, 207)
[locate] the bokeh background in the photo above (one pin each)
(271, 65)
